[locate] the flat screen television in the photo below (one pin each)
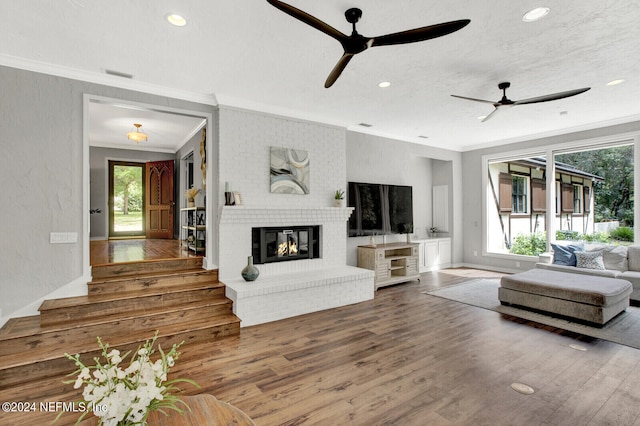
(379, 209)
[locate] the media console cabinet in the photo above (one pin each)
(393, 263)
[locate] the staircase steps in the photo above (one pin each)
(86, 309)
(150, 281)
(187, 304)
(48, 361)
(149, 266)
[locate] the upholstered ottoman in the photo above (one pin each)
(588, 298)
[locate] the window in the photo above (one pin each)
(516, 200)
(519, 194)
(593, 187)
(577, 199)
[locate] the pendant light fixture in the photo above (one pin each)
(137, 136)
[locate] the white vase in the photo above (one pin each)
(338, 203)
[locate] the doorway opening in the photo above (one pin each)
(105, 121)
(126, 199)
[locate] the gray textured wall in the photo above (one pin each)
(41, 128)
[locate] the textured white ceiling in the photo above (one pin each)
(249, 54)
(109, 123)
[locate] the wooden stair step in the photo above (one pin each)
(84, 333)
(20, 326)
(148, 266)
(50, 361)
(151, 282)
(82, 309)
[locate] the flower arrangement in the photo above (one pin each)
(126, 396)
(433, 230)
(191, 193)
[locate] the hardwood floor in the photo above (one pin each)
(404, 358)
(130, 250)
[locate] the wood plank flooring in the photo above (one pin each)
(117, 251)
(404, 358)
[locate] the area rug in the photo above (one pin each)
(483, 293)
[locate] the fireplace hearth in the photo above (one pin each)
(285, 243)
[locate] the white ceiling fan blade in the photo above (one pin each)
(490, 115)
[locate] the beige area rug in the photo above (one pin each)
(483, 293)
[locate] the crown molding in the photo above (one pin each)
(559, 132)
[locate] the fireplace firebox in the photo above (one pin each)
(279, 244)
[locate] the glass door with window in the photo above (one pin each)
(126, 199)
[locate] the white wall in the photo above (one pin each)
(245, 139)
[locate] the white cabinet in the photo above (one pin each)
(393, 263)
(435, 253)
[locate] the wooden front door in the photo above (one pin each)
(159, 199)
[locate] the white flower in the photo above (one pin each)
(127, 395)
(114, 355)
(99, 374)
(84, 373)
(133, 367)
(78, 382)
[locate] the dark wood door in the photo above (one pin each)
(159, 199)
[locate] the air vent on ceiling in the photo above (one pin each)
(365, 124)
(118, 74)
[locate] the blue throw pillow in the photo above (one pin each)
(564, 255)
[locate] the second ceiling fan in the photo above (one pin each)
(506, 102)
(356, 43)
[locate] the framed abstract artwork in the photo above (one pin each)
(289, 171)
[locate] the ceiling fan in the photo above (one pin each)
(356, 43)
(506, 102)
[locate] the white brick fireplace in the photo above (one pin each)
(290, 288)
(236, 223)
(296, 287)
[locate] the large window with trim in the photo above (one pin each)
(592, 192)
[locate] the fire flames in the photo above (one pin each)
(288, 248)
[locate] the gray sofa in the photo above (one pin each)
(619, 262)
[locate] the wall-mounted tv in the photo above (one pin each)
(380, 209)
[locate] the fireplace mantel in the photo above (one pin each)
(265, 216)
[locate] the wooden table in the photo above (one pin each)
(206, 410)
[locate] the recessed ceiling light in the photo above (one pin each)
(535, 14)
(577, 347)
(176, 20)
(564, 112)
(423, 136)
(522, 388)
(482, 117)
(384, 84)
(615, 82)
